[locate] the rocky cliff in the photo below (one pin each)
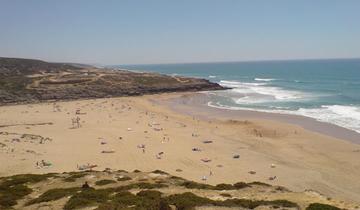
(26, 81)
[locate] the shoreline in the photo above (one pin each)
(199, 108)
(113, 131)
(198, 102)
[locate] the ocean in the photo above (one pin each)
(326, 90)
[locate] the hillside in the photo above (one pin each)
(26, 81)
(149, 191)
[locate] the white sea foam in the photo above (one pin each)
(212, 76)
(253, 93)
(260, 92)
(227, 83)
(343, 116)
(264, 79)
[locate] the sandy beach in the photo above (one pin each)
(197, 105)
(149, 132)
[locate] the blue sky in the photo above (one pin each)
(170, 31)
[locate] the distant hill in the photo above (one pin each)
(21, 66)
(27, 80)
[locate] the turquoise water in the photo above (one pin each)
(327, 90)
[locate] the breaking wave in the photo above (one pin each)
(343, 116)
(264, 79)
(259, 92)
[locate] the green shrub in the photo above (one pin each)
(226, 195)
(177, 178)
(75, 176)
(88, 197)
(145, 185)
(7, 200)
(224, 187)
(24, 178)
(161, 181)
(188, 200)
(9, 196)
(113, 206)
(104, 182)
(251, 204)
(150, 194)
(195, 185)
(320, 206)
(282, 203)
(241, 185)
(54, 194)
(140, 185)
(18, 190)
(13, 188)
(122, 171)
(126, 198)
(259, 183)
(124, 178)
(147, 200)
(160, 172)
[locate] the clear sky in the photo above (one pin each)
(177, 31)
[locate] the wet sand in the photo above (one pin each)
(196, 105)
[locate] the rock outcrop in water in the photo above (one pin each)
(26, 81)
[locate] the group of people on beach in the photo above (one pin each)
(76, 123)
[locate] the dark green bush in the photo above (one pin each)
(188, 200)
(54, 194)
(75, 176)
(140, 185)
(13, 188)
(150, 194)
(104, 182)
(25, 178)
(259, 183)
(224, 187)
(251, 204)
(122, 171)
(226, 195)
(145, 185)
(160, 172)
(146, 200)
(88, 197)
(241, 185)
(320, 206)
(195, 185)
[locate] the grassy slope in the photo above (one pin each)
(160, 191)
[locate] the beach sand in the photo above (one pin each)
(147, 133)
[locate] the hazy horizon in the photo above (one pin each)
(159, 32)
(196, 62)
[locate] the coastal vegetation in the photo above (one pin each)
(104, 193)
